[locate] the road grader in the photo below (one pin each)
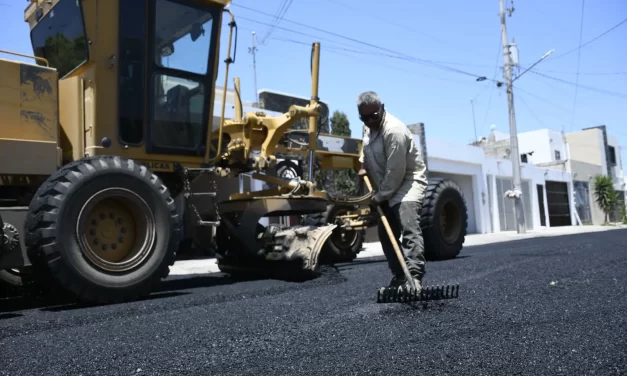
(112, 124)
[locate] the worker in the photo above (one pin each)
(395, 167)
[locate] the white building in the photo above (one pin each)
(585, 154)
(484, 180)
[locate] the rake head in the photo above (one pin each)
(404, 295)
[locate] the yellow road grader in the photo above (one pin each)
(114, 120)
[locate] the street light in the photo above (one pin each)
(534, 64)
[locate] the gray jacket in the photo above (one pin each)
(394, 163)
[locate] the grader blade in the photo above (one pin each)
(294, 256)
(302, 243)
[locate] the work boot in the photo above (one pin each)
(398, 280)
(417, 282)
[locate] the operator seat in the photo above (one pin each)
(173, 121)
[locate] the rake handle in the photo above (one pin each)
(393, 239)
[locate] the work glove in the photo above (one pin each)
(374, 201)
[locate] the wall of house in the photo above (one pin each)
(617, 170)
(543, 143)
(462, 164)
(587, 146)
(536, 142)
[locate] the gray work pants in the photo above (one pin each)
(404, 219)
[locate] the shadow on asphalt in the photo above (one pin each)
(9, 315)
(74, 305)
(187, 283)
(60, 301)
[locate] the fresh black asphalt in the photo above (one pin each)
(544, 306)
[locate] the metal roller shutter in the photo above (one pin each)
(558, 203)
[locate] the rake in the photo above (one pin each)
(402, 294)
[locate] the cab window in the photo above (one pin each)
(59, 37)
(183, 42)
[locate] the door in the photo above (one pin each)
(558, 203)
(540, 189)
(165, 96)
(582, 201)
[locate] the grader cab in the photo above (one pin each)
(115, 119)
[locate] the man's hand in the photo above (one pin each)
(374, 201)
(362, 172)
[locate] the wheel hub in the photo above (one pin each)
(117, 230)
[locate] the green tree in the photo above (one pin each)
(605, 195)
(340, 125)
(345, 181)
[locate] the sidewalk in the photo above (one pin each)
(191, 267)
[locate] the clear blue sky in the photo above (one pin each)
(463, 35)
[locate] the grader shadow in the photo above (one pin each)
(58, 301)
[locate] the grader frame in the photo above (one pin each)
(99, 148)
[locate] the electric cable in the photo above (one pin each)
(405, 56)
(283, 7)
(591, 88)
(531, 111)
(590, 41)
(405, 27)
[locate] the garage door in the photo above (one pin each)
(558, 203)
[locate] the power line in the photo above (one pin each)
(406, 56)
(602, 91)
(405, 27)
(546, 101)
(530, 110)
(284, 6)
(590, 41)
(374, 53)
(295, 32)
(342, 52)
(583, 73)
(399, 55)
(572, 122)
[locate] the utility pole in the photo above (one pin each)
(253, 50)
(515, 154)
(474, 123)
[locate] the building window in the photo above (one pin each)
(611, 151)
(523, 158)
(558, 156)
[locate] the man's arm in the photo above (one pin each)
(396, 149)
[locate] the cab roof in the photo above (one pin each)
(45, 6)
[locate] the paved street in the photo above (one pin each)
(539, 306)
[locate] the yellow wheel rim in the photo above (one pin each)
(116, 230)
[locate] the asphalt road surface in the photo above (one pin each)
(546, 306)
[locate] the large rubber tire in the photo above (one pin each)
(334, 249)
(56, 247)
(443, 220)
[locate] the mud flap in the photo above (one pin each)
(302, 244)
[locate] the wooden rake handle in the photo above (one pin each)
(393, 239)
